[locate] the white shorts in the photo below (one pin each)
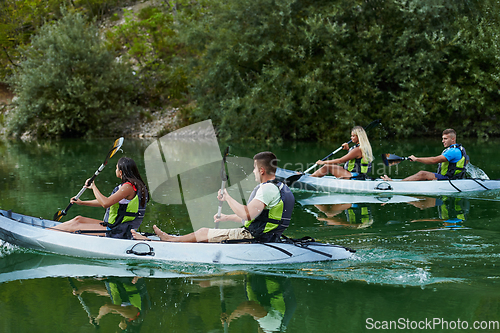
(219, 235)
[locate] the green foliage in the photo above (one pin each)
(148, 39)
(309, 69)
(20, 19)
(69, 83)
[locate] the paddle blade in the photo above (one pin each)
(116, 146)
(292, 179)
(58, 216)
(372, 125)
(391, 159)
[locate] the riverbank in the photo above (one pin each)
(146, 124)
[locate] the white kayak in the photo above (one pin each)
(32, 232)
(305, 198)
(379, 186)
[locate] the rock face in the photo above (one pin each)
(5, 94)
(158, 124)
(147, 124)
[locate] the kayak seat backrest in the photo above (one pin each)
(7, 213)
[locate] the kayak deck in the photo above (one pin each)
(379, 186)
(31, 232)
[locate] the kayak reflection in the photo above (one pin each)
(270, 301)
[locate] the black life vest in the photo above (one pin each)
(270, 224)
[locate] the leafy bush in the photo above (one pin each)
(69, 83)
(149, 40)
(311, 69)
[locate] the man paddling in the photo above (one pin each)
(451, 162)
(264, 218)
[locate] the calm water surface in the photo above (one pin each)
(432, 264)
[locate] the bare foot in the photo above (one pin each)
(163, 235)
(138, 236)
(385, 177)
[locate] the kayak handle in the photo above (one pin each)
(384, 186)
(148, 252)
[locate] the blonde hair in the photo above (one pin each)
(364, 143)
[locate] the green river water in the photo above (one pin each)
(427, 265)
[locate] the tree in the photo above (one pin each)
(69, 83)
(310, 69)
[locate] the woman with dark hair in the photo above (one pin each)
(125, 207)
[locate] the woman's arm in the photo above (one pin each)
(126, 191)
(353, 154)
(89, 203)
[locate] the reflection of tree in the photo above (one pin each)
(128, 298)
(356, 215)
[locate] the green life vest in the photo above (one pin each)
(270, 223)
(453, 208)
(120, 213)
(454, 170)
(358, 214)
(123, 216)
(358, 165)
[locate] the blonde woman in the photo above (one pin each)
(356, 163)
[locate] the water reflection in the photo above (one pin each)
(346, 210)
(362, 211)
(116, 297)
(348, 215)
(269, 300)
(126, 296)
(451, 211)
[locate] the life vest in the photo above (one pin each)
(123, 216)
(454, 170)
(358, 165)
(275, 295)
(358, 214)
(453, 208)
(124, 292)
(270, 224)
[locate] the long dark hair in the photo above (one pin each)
(130, 173)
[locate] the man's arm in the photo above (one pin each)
(248, 212)
(429, 160)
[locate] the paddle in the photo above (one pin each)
(85, 307)
(391, 159)
(223, 176)
(116, 146)
(292, 179)
(223, 306)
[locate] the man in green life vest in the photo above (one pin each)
(264, 218)
(451, 163)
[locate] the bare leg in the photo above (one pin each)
(81, 223)
(335, 170)
(199, 236)
(421, 175)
